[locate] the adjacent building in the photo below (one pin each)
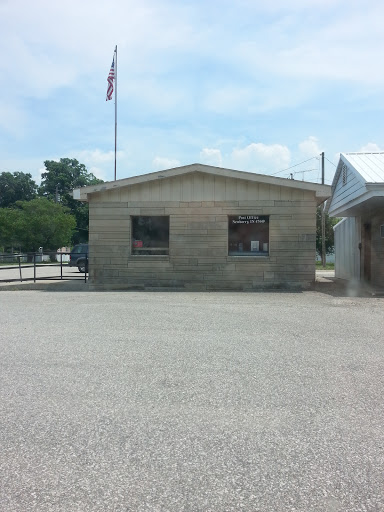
(202, 228)
(358, 197)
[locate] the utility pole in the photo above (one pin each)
(323, 254)
(322, 168)
(115, 106)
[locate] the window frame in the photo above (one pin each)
(135, 251)
(248, 219)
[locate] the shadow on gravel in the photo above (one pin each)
(340, 288)
(325, 285)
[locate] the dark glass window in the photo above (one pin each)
(248, 235)
(78, 249)
(150, 235)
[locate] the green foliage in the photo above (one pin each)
(17, 186)
(329, 234)
(57, 184)
(9, 228)
(63, 177)
(52, 220)
(36, 223)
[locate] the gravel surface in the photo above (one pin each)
(136, 401)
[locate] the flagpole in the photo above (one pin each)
(115, 104)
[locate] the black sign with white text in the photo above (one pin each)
(250, 219)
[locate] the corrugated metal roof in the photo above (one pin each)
(369, 165)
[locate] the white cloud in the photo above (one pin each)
(192, 73)
(211, 156)
(47, 54)
(37, 175)
(344, 44)
(371, 147)
(310, 147)
(228, 98)
(100, 163)
(259, 157)
(95, 156)
(12, 119)
(160, 163)
(100, 173)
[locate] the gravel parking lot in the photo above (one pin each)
(138, 401)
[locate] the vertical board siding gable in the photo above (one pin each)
(199, 187)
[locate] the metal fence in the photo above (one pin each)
(35, 267)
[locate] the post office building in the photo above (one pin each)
(200, 227)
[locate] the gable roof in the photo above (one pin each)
(322, 192)
(370, 166)
(368, 172)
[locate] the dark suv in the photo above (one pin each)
(79, 257)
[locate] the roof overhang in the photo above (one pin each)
(372, 199)
(322, 192)
(372, 189)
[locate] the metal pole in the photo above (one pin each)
(322, 168)
(323, 253)
(61, 265)
(115, 105)
(34, 267)
(19, 258)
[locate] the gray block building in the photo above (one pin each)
(199, 227)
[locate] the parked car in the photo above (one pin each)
(79, 257)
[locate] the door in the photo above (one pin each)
(367, 252)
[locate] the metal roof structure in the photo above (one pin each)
(370, 166)
(367, 170)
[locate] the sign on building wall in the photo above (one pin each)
(248, 235)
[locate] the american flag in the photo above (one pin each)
(110, 80)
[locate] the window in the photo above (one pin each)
(248, 235)
(80, 249)
(150, 235)
(345, 174)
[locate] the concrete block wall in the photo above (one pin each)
(198, 245)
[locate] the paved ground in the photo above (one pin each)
(128, 401)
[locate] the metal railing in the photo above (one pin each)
(24, 261)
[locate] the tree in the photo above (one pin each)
(36, 223)
(329, 234)
(57, 184)
(9, 228)
(63, 176)
(17, 186)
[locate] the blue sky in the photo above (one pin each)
(243, 84)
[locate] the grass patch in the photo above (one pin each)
(328, 266)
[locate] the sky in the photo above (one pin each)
(243, 84)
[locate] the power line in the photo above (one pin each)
(306, 170)
(292, 166)
(330, 162)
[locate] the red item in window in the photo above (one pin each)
(137, 243)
